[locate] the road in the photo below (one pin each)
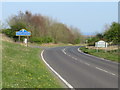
(81, 70)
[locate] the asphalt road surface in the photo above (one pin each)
(81, 70)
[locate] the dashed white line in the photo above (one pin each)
(64, 51)
(87, 64)
(98, 67)
(105, 71)
(70, 86)
(75, 58)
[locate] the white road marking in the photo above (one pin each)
(75, 58)
(64, 51)
(79, 50)
(101, 59)
(70, 86)
(87, 64)
(105, 71)
(68, 55)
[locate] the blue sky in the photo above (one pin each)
(89, 17)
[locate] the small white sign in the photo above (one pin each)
(25, 40)
(101, 43)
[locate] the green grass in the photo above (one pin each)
(110, 55)
(23, 68)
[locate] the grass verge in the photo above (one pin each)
(23, 68)
(110, 55)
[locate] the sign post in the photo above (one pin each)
(23, 32)
(19, 38)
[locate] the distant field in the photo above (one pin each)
(23, 68)
(110, 55)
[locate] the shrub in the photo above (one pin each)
(41, 40)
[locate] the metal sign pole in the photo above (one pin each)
(105, 47)
(97, 49)
(19, 38)
(27, 41)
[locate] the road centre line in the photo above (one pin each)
(105, 71)
(75, 58)
(64, 51)
(60, 77)
(89, 64)
(101, 59)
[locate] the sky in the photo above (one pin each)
(88, 17)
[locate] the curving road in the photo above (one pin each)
(81, 70)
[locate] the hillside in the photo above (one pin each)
(23, 68)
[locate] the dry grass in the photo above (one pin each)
(5, 38)
(109, 48)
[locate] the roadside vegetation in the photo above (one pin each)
(44, 29)
(23, 68)
(109, 55)
(111, 35)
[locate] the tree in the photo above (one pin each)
(44, 29)
(99, 36)
(113, 34)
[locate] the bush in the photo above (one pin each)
(92, 40)
(47, 40)
(8, 32)
(77, 41)
(41, 40)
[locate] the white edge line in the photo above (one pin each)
(55, 71)
(97, 57)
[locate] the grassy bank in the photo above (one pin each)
(110, 55)
(23, 68)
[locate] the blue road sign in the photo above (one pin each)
(23, 32)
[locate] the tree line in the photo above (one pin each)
(44, 29)
(110, 35)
